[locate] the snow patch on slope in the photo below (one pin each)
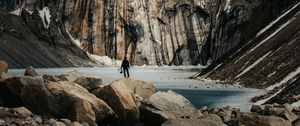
(75, 41)
(286, 79)
(45, 15)
(275, 21)
(18, 11)
(260, 102)
(274, 33)
(254, 64)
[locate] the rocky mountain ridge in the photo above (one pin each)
(269, 61)
(159, 32)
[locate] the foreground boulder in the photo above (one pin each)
(19, 112)
(163, 106)
(117, 96)
(56, 98)
(82, 112)
(141, 88)
(285, 111)
(89, 83)
(30, 71)
(207, 120)
(259, 120)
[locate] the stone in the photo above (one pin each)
(163, 106)
(55, 78)
(141, 88)
(257, 108)
(22, 112)
(59, 124)
(174, 102)
(296, 109)
(225, 115)
(51, 122)
(297, 123)
(296, 98)
(276, 111)
(153, 117)
(288, 107)
(289, 115)
(258, 120)
(75, 124)
(7, 97)
(73, 91)
(30, 71)
(37, 119)
(72, 76)
(82, 111)
(66, 121)
(3, 67)
(203, 109)
(89, 83)
(120, 99)
(55, 98)
(2, 122)
(208, 120)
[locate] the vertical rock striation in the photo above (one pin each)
(169, 32)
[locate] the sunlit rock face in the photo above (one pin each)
(161, 32)
(151, 32)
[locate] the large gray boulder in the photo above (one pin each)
(56, 98)
(284, 111)
(207, 120)
(259, 120)
(163, 106)
(257, 108)
(30, 71)
(171, 101)
(19, 116)
(121, 100)
(82, 112)
(19, 112)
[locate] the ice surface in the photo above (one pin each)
(201, 93)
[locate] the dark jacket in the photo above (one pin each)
(125, 64)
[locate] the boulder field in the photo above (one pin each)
(71, 99)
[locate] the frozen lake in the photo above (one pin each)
(200, 93)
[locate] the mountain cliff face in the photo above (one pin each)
(25, 41)
(169, 32)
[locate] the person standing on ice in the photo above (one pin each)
(125, 66)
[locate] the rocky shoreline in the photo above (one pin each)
(72, 99)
